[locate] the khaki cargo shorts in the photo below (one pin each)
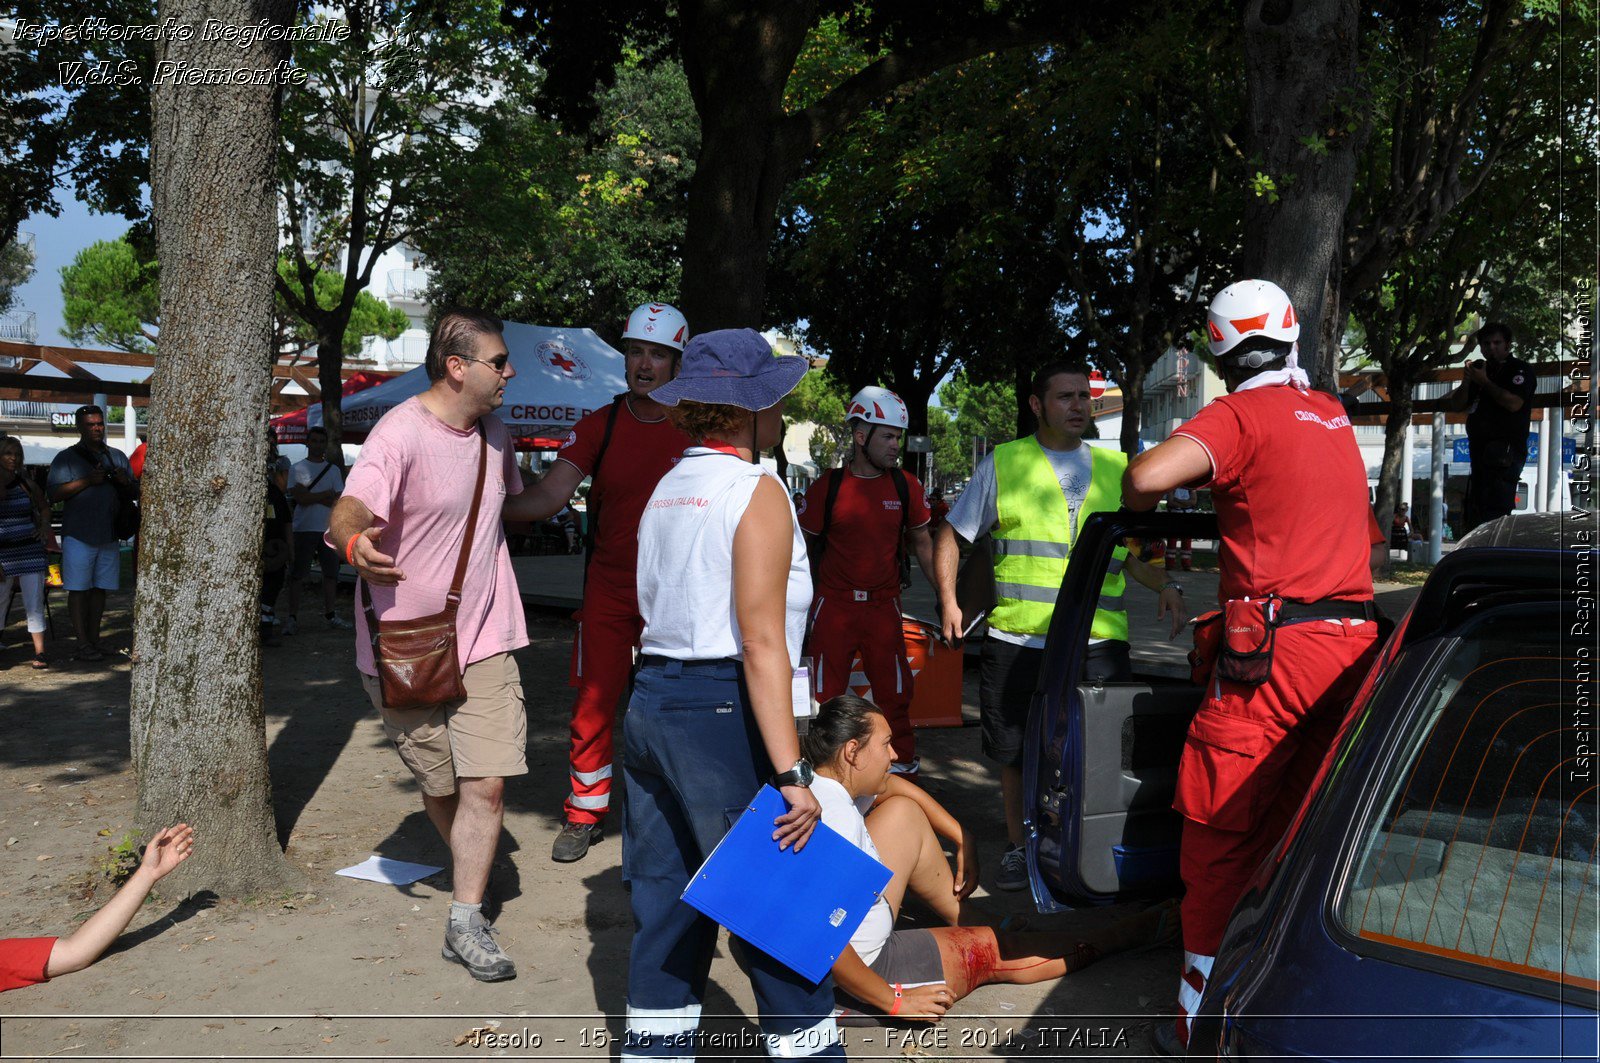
(484, 735)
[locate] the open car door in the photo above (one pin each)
(1101, 759)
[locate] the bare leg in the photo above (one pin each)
(442, 813)
(1011, 790)
(475, 834)
(975, 956)
(907, 844)
(93, 612)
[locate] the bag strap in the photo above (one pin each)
(591, 521)
(326, 466)
(835, 481)
(452, 599)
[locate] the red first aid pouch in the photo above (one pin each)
(1207, 642)
(1249, 626)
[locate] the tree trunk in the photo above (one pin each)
(1132, 401)
(1394, 433)
(198, 734)
(1302, 74)
(330, 378)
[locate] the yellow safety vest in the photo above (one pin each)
(1034, 538)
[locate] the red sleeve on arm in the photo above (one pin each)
(920, 513)
(811, 506)
(582, 444)
(23, 961)
(1217, 429)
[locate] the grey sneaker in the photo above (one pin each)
(572, 844)
(473, 947)
(339, 622)
(1013, 870)
(290, 626)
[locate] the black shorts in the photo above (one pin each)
(308, 545)
(1009, 676)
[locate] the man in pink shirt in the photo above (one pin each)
(401, 522)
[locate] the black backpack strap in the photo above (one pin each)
(835, 481)
(902, 489)
(591, 521)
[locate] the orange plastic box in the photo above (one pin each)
(936, 697)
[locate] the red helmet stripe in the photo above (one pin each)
(1248, 324)
(1288, 317)
(1216, 333)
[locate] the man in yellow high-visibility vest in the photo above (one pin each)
(1034, 494)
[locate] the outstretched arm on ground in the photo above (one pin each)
(547, 496)
(922, 1004)
(164, 853)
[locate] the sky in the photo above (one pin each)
(56, 242)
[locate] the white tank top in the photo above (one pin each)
(685, 579)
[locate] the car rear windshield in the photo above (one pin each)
(1482, 852)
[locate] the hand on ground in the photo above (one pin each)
(925, 1003)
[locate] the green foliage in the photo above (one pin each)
(16, 266)
(556, 229)
(969, 410)
(122, 859)
(820, 399)
(369, 316)
(111, 297)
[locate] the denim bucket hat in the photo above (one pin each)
(732, 367)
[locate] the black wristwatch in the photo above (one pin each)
(799, 775)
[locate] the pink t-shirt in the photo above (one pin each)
(416, 474)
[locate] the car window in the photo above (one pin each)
(1482, 851)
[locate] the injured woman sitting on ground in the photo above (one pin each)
(919, 974)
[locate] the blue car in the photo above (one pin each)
(1437, 896)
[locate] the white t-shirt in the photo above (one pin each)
(848, 818)
(313, 517)
(977, 510)
(685, 571)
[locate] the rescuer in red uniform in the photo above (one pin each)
(1304, 560)
(858, 520)
(626, 448)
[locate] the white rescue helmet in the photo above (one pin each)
(658, 323)
(1246, 309)
(876, 405)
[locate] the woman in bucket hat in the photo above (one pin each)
(723, 590)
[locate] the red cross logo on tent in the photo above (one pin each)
(1097, 384)
(562, 362)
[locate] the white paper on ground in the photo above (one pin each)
(390, 872)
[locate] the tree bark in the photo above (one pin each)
(198, 733)
(1132, 403)
(1401, 385)
(1302, 76)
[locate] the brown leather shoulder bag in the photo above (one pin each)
(417, 660)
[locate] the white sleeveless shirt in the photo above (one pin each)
(685, 571)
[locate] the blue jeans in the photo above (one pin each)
(693, 757)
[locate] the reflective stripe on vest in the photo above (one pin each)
(1033, 538)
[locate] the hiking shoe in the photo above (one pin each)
(573, 842)
(473, 946)
(290, 626)
(1013, 874)
(339, 622)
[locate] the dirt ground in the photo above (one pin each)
(343, 969)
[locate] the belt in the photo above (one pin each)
(850, 594)
(651, 660)
(1302, 612)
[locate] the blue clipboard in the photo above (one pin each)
(799, 908)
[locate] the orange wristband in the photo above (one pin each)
(350, 549)
(894, 1009)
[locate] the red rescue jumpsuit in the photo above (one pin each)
(638, 455)
(856, 606)
(1252, 751)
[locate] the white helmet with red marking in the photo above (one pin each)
(878, 406)
(658, 323)
(1248, 309)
